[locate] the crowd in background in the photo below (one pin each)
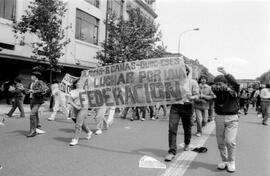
(207, 101)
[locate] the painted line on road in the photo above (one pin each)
(182, 162)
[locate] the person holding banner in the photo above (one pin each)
(80, 113)
(60, 101)
(183, 110)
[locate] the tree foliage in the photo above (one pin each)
(265, 78)
(131, 39)
(44, 19)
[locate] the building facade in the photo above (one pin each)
(86, 33)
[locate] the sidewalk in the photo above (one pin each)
(4, 108)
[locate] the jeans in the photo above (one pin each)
(265, 110)
(80, 123)
(100, 117)
(226, 133)
(18, 103)
(201, 118)
(34, 119)
(183, 111)
(211, 110)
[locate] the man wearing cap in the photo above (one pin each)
(226, 90)
(37, 91)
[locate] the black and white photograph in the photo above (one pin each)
(134, 87)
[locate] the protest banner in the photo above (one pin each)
(67, 82)
(136, 83)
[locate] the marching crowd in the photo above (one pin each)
(223, 98)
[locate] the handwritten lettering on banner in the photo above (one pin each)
(67, 82)
(136, 83)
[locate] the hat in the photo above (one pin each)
(220, 78)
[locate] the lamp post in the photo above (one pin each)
(181, 34)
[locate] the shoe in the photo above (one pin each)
(187, 147)
(142, 119)
(39, 131)
(89, 135)
(198, 134)
(51, 119)
(32, 133)
(264, 123)
(222, 166)
(74, 142)
(231, 166)
(8, 116)
(153, 118)
(1, 167)
(131, 119)
(169, 157)
(98, 132)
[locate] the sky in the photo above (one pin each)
(233, 34)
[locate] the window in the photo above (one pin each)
(86, 27)
(93, 2)
(7, 9)
(116, 7)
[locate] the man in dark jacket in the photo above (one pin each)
(19, 94)
(226, 107)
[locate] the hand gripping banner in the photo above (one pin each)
(137, 83)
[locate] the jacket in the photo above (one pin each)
(226, 102)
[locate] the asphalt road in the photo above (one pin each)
(118, 150)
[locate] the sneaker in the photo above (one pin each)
(89, 135)
(98, 132)
(32, 133)
(131, 119)
(187, 147)
(198, 134)
(264, 123)
(142, 119)
(1, 167)
(8, 116)
(39, 131)
(169, 157)
(231, 166)
(51, 119)
(222, 166)
(74, 142)
(153, 118)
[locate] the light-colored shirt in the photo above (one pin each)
(265, 94)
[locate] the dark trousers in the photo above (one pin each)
(152, 111)
(183, 111)
(34, 119)
(136, 112)
(18, 103)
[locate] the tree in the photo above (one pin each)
(44, 19)
(265, 78)
(131, 39)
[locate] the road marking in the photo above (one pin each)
(182, 162)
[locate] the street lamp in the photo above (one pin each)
(189, 30)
